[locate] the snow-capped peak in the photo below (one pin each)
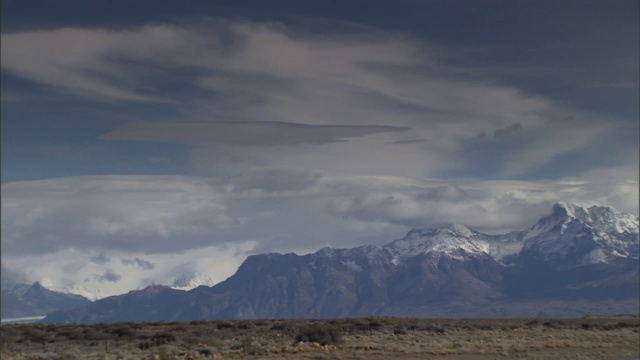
(191, 280)
(601, 218)
(453, 240)
(587, 235)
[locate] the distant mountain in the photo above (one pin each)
(22, 300)
(191, 280)
(179, 278)
(576, 261)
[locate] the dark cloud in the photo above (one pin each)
(10, 277)
(507, 130)
(408, 141)
(254, 133)
(142, 264)
(108, 276)
(274, 180)
(451, 193)
(101, 258)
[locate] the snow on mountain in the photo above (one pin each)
(191, 280)
(93, 290)
(453, 240)
(588, 235)
(457, 242)
(571, 234)
(593, 234)
(602, 218)
(550, 262)
(92, 294)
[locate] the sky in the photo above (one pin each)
(142, 140)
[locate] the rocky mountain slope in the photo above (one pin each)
(575, 261)
(22, 300)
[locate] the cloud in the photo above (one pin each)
(72, 271)
(270, 83)
(108, 276)
(542, 146)
(101, 258)
(50, 231)
(140, 263)
(495, 206)
(408, 141)
(166, 214)
(243, 133)
(274, 180)
(109, 212)
(10, 277)
(507, 130)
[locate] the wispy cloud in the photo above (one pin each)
(293, 137)
(140, 263)
(243, 133)
(261, 83)
(108, 212)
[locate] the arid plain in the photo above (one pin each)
(364, 338)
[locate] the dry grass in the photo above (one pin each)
(367, 338)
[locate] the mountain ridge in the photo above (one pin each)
(23, 300)
(449, 270)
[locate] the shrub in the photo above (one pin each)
(123, 331)
(163, 338)
(205, 352)
(278, 327)
(324, 334)
(33, 335)
(533, 323)
(225, 325)
(248, 347)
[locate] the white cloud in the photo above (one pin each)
(236, 79)
(111, 212)
(491, 206)
(71, 270)
(116, 233)
(254, 72)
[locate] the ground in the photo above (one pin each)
(342, 339)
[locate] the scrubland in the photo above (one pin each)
(364, 338)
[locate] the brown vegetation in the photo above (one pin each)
(369, 338)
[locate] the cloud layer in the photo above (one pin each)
(243, 133)
(264, 83)
(290, 137)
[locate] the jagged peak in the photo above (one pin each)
(327, 250)
(603, 218)
(459, 229)
(453, 228)
(565, 209)
(191, 280)
(152, 289)
(451, 239)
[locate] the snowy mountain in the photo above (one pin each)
(582, 236)
(456, 241)
(23, 300)
(573, 262)
(191, 280)
(182, 277)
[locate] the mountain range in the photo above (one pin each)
(575, 261)
(23, 300)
